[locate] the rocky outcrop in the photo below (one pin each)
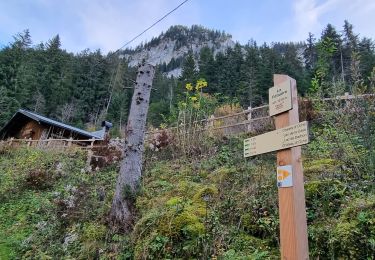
(175, 44)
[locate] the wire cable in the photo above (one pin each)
(148, 28)
(116, 71)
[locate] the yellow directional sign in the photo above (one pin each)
(290, 136)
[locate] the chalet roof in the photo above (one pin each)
(46, 120)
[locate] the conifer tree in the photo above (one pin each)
(189, 70)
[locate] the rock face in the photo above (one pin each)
(170, 48)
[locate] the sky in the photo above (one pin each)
(108, 24)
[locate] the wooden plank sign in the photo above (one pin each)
(290, 136)
(280, 98)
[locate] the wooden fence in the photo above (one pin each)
(249, 120)
(55, 143)
(252, 119)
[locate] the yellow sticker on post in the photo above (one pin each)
(285, 176)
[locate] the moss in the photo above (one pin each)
(174, 201)
(174, 222)
(170, 225)
(320, 166)
(206, 193)
(188, 223)
(186, 188)
(350, 235)
(194, 229)
(161, 185)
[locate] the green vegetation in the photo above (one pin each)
(193, 204)
(51, 206)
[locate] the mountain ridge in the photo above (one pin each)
(170, 48)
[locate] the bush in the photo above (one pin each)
(353, 237)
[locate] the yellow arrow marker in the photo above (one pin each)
(282, 174)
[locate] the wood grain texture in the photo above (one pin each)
(292, 210)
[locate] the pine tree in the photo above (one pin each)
(57, 73)
(189, 70)
(8, 106)
(349, 52)
(366, 53)
(206, 67)
(310, 54)
(248, 90)
(331, 37)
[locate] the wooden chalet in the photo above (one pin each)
(27, 125)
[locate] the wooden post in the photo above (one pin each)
(249, 126)
(210, 125)
(92, 143)
(293, 224)
(29, 142)
(11, 141)
(70, 142)
(210, 121)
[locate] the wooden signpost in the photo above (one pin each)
(286, 140)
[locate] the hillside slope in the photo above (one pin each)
(209, 203)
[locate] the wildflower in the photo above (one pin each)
(189, 87)
(201, 83)
(193, 98)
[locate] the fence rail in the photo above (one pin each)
(55, 143)
(253, 115)
(251, 119)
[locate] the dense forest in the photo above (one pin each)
(84, 88)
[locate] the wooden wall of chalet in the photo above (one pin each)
(31, 130)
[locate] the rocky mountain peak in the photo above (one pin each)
(170, 48)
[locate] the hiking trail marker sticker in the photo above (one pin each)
(285, 176)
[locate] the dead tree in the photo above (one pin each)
(131, 167)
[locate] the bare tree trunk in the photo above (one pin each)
(131, 166)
